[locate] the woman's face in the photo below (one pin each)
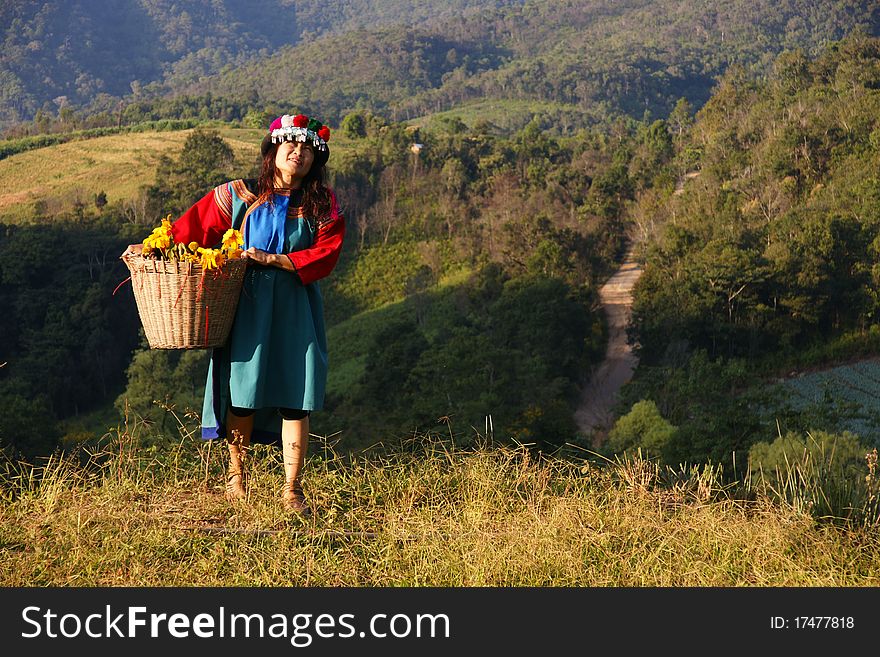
(294, 159)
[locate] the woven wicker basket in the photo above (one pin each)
(183, 307)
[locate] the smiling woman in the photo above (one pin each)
(272, 372)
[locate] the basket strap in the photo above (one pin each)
(120, 285)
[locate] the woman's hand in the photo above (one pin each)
(133, 250)
(259, 256)
(271, 259)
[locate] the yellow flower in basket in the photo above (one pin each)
(232, 240)
(189, 306)
(160, 243)
(160, 239)
(211, 258)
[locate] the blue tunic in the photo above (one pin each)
(276, 355)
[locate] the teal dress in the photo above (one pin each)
(276, 355)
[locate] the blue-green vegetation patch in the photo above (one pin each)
(848, 396)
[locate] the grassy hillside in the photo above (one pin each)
(423, 515)
(118, 165)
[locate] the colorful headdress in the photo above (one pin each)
(299, 128)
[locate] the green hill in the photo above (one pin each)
(118, 165)
(772, 249)
(73, 53)
(590, 58)
(763, 264)
(593, 56)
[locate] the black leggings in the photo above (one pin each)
(286, 413)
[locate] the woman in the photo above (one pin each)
(271, 374)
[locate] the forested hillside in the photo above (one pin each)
(773, 247)
(59, 53)
(761, 253)
(588, 58)
(591, 58)
(65, 339)
(466, 297)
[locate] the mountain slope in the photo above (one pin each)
(73, 51)
(405, 58)
(594, 55)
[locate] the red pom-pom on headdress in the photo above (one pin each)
(298, 128)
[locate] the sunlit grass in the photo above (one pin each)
(419, 514)
(118, 165)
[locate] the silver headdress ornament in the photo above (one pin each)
(300, 128)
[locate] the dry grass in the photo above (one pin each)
(422, 516)
(117, 165)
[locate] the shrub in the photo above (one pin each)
(823, 474)
(642, 428)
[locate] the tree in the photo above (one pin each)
(158, 377)
(354, 126)
(395, 351)
(27, 425)
(681, 118)
(642, 428)
(205, 161)
(454, 177)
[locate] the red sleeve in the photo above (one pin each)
(207, 220)
(318, 260)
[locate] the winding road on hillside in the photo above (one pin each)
(594, 415)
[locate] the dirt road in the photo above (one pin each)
(594, 414)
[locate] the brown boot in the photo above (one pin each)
(236, 476)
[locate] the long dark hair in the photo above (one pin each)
(316, 196)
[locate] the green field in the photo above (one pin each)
(851, 392)
(118, 165)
